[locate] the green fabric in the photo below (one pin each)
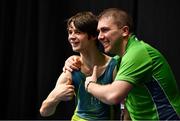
(147, 70)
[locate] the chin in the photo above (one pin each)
(107, 50)
(75, 50)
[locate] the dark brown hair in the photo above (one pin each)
(85, 22)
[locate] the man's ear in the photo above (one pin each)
(125, 31)
(92, 37)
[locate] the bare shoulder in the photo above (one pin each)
(64, 77)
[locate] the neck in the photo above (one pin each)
(123, 46)
(89, 60)
(95, 57)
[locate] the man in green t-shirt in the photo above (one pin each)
(144, 78)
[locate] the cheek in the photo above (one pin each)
(115, 35)
(69, 41)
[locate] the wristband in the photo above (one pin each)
(88, 85)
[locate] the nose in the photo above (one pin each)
(100, 36)
(71, 37)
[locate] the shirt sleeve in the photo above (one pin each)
(135, 66)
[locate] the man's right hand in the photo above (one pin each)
(64, 91)
(72, 63)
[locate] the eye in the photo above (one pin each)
(98, 30)
(77, 32)
(69, 31)
(104, 30)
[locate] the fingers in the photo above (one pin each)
(92, 78)
(72, 63)
(67, 66)
(77, 62)
(69, 81)
(64, 70)
(68, 93)
(68, 69)
(94, 74)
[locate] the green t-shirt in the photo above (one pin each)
(155, 95)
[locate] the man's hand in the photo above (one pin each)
(72, 63)
(69, 81)
(64, 92)
(92, 78)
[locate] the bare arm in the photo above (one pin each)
(111, 93)
(63, 91)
